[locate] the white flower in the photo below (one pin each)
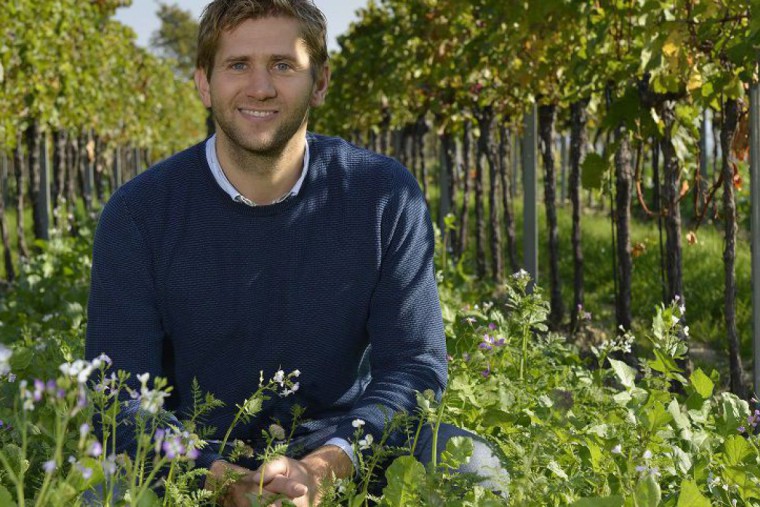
(79, 369)
(366, 442)
(84, 429)
(279, 377)
(288, 392)
(5, 355)
(674, 319)
(296, 373)
(151, 400)
(686, 330)
(647, 454)
(618, 449)
(277, 432)
(520, 274)
(357, 423)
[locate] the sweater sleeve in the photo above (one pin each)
(405, 326)
(124, 318)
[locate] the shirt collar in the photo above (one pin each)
(229, 189)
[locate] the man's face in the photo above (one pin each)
(261, 86)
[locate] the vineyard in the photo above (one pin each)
(587, 165)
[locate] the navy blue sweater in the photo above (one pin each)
(337, 282)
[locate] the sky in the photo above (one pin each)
(141, 16)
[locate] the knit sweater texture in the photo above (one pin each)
(337, 282)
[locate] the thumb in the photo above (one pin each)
(276, 467)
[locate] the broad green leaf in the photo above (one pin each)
(680, 419)
(656, 416)
(6, 500)
(458, 452)
(702, 383)
(647, 492)
(404, 478)
(606, 501)
(595, 454)
(593, 169)
(736, 450)
(624, 373)
(682, 460)
(149, 498)
(691, 496)
(734, 413)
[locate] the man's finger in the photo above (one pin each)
(278, 466)
(289, 487)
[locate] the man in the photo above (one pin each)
(266, 248)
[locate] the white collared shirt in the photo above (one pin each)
(224, 183)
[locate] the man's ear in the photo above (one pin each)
(319, 91)
(201, 83)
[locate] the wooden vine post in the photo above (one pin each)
(755, 224)
(530, 195)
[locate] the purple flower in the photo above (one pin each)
(49, 466)
(109, 465)
(95, 449)
(173, 447)
(486, 372)
(492, 326)
(39, 389)
(85, 471)
(741, 429)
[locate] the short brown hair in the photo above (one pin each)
(222, 15)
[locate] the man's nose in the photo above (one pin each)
(260, 85)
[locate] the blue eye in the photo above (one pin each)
(238, 66)
(282, 67)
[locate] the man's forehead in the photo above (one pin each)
(264, 35)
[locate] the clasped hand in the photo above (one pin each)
(281, 477)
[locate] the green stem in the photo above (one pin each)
(60, 426)
(524, 355)
(438, 418)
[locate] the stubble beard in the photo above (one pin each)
(246, 150)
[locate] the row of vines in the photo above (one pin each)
(629, 83)
(82, 109)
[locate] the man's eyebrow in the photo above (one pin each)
(236, 58)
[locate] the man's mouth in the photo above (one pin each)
(256, 113)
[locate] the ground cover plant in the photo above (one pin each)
(573, 428)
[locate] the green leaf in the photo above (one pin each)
(702, 383)
(656, 416)
(557, 470)
(6, 500)
(593, 169)
(458, 451)
(682, 460)
(149, 499)
(647, 492)
(20, 359)
(404, 478)
(600, 501)
(691, 496)
(734, 413)
(736, 450)
(625, 373)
